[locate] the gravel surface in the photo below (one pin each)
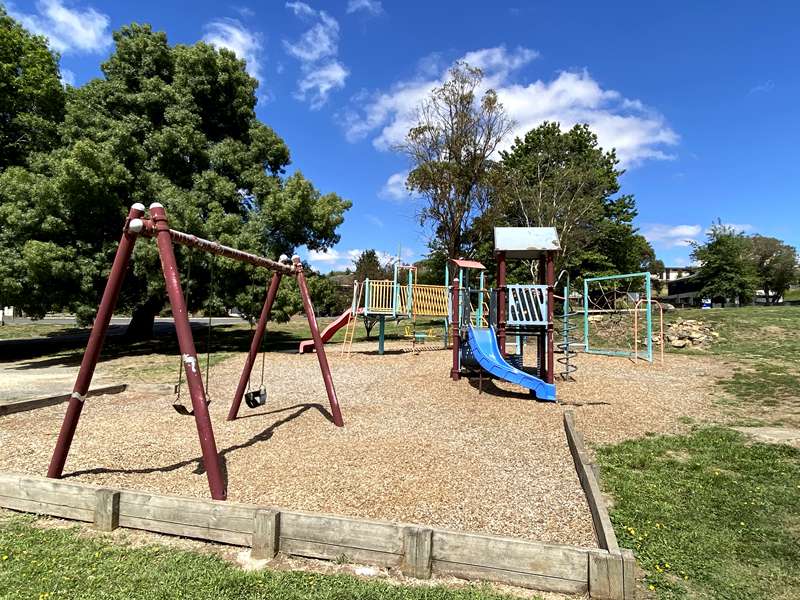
(416, 447)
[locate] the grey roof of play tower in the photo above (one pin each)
(525, 242)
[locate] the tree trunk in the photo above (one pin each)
(143, 320)
(368, 325)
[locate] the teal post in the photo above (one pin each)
(447, 285)
(395, 291)
(366, 296)
(409, 295)
(381, 332)
(585, 315)
(480, 301)
(648, 291)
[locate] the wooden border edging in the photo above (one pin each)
(587, 473)
(23, 405)
(612, 574)
(414, 550)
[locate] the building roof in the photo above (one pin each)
(464, 263)
(526, 242)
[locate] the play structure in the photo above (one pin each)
(523, 312)
(383, 300)
(618, 315)
(157, 226)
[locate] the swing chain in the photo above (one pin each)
(254, 399)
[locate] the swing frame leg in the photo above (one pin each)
(183, 329)
(255, 344)
(319, 346)
(94, 345)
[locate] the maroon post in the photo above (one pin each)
(501, 302)
(551, 281)
(183, 329)
(95, 344)
(255, 344)
(319, 346)
(455, 371)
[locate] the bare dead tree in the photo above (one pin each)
(450, 149)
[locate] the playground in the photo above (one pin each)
(417, 446)
(467, 437)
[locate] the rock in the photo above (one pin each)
(680, 343)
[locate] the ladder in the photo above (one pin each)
(352, 320)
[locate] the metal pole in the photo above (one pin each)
(395, 290)
(455, 371)
(381, 333)
(183, 330)
(95, 344)
(319, 346)
(585, 315)
(648, 291)
(255, 344)
(501, 302)
(186, 239)
(481, 283)
(551, 277)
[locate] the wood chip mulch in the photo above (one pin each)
(416, 446)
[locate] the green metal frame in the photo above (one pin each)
(648, 352)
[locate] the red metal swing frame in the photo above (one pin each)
(157, 226)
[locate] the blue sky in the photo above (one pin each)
(700, 99)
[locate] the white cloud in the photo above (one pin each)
(329, 255)
(395, 187)
(245, 44)
(371, 6)
(318, 82)
(376, 221)
(670, 236)
(67, 77)
(571, 97)
(316, 50)
(763, 88)
(67, 29)
(336, 260)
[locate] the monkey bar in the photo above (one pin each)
(157, 226)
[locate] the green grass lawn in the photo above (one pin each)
(763, 347)
(132, 361)
(38, 329)
(49, 563)
(711, 514)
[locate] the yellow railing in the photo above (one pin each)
(380, 297)
(430, 300)
(427, 300)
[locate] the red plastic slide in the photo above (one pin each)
(327, 333)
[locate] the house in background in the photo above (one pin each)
(673, 273)
(667, 288)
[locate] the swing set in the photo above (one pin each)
(157, 226)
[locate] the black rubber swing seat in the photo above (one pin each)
(256, 398)
(181, 409)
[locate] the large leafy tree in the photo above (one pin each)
(775, 264)
(174, 124)
(726, 269)
(450, 149)
(368, 265)
(31, 94)
(564, 179)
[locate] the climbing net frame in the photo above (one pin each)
(613, 308)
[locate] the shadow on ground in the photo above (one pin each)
(296, 412)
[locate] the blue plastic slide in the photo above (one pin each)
(483, 343)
